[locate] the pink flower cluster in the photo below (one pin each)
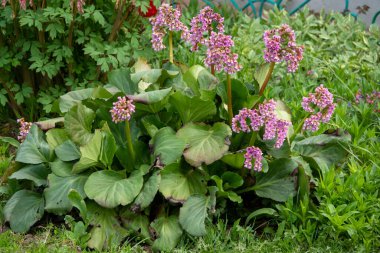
(122, 109)
(24, 129)
(253, 153)
(219, 53)
(321, 105)
(21, 2)
(169, 18)
(252, 120)
(280, 45)
(203, 23)
(372, 98)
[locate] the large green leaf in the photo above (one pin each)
(282, 111)
(178, 184)
(73, 97)
(78, 123)
(261, 73)
(56, 195)
(323, 151)
(231, 180)
(106, 230)
(34, 149)
(148, 76)
(108, 149)
(121, 79)
(192, 109)
(167, 146)
(169, 232)
(78, 202)
(148, 192)
(277, 184)
(36, 173)
(49, 123)
(193, 213)
(221, 192)
(240, 95)
(206, 144)
(137, 223)
(67, 151)
(56, 137)
(61, 168)
(24, 209)
(150, 97)
(110, 188)
(90, 153)
(201, 82)
(151, 101)
(235, 160)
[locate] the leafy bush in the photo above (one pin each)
(49, 48)
(168, 165)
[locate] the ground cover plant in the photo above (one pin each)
(171, 141)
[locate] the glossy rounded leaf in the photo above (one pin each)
(169, 232)
(78, 123)
(178, 184)
(56, 195)
(193, 213)
(206, 144)
(24, 209)
(110, 189)
(167, 146)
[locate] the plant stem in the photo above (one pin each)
(253, 139)
(229, 97)
(129, 141)
(267, 77)
(298, 129)
(251, 188)
(171, 56)
(213, 69)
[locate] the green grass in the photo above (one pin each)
(220, 238)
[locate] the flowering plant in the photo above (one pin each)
(155, 151)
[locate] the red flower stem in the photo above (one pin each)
(267, 77)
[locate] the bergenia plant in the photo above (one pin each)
(280, 45)
(153, 153)
(168, 18)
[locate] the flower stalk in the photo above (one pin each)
(229, 97)
(129, 141)
(171, 55)
(267, 78)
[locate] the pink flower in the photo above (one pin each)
(282, 132)
(280, 45)
(239, 122)
(122, 109)
(24, 129)
(321, 105)
(167, 18)
(219, 53)
(203, 23)
(253, 153)
(252, 120)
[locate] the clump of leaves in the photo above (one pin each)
(167, 166)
